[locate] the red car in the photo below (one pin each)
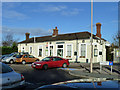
(50, 62)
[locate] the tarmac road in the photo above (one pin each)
(36, 78)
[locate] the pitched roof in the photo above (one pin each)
(69, 36)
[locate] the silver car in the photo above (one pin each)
(9, 78)
(10, 58)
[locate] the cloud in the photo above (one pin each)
(61, 9)
(22, 31)
(9, 5)
(9, 11)
(51, 8)
(10, 14)
(74, 11)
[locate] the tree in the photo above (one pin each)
(116, 39)
(8, 40)
(9, 44)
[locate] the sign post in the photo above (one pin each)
(111, 64)
(103, 63)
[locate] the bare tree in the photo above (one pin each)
(116, 39)
(8, 40)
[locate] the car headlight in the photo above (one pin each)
(38, 64)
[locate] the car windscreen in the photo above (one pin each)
(10, 55)
(5, 68)
(46, 59)
(19, 56)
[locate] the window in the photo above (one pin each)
(83, 50)
(51, 50)
(30, 56)
(95, 52)
(26, 56)
(56, 59)
(30, 50)
(40, 51)
(100, 53)
(69, 50)
(19, 56)
(47, 59)
(6, 68)
(60, 46)
(23, 49)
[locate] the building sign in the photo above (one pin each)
(47, 45)
(60, 42)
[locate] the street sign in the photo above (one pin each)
(104, 63)
(110, 63)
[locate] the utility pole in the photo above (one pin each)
(91, 66)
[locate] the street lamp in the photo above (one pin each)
(91, 66)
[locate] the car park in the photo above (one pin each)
(9, 58)
(50, 62)
(26, 58)
(9, 78)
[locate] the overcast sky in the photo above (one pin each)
(39, 18)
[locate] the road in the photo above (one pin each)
(36, 78)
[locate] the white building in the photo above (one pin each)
(66, 46)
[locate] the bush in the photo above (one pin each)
(8, 50)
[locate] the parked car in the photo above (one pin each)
(25, 59)
(50, 62)
(83, 85)
(10, 58)
(3, 56)
(10, 79)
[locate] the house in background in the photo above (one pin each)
(73, 46)
(116, 56)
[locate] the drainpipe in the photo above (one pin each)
(76, 47)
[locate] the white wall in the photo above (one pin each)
(35, 47)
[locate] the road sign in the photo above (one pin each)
(104, 63)
(110, 63)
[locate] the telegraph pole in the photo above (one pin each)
(91, 66)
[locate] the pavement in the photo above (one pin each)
(83, 70)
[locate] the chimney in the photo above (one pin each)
(55, 32)
(98, 25)
(27, 35)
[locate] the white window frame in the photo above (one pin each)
(38, 50)
(29, 49)
(80, 49)
(71, 49)
(22, 48)
(49, 49)
(60, 48)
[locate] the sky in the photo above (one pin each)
(39, 18)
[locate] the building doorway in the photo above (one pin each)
(60, 51)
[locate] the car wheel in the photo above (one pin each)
(23, 62)
(45, 67)
(11, 61)
(64, 65)
(37, 60)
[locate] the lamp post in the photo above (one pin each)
(91, 66)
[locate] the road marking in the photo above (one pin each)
(71, 69)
